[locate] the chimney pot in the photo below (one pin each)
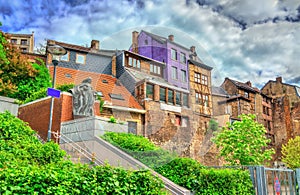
(249, 83)
(279, 79)
(171, 37)
(95, 44)
(193, 49)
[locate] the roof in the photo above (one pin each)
(101, 83)
(144, 57)
(243, 85)
(161, 39)
(19, 35)
(219, 91)
(201, 65)
(141, 76)
(82, 48)
(233, 98)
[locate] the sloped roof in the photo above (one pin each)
(101, 83)
(219, 91)
(161, 39)
(140, 76)
(200, 64)
(83, 49)
(244, 85)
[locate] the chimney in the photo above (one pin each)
(135, 43)
(249, 83)
(114, 66)
(279, 79)
(193, 49)
(95, 44)
(171, 37)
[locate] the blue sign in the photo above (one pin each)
(53, 92)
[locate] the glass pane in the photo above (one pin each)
(170, 96)
(162, 94)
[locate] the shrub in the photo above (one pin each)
(29, 167)
(65, 87)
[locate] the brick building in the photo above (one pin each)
(286, 115)
(25, 42)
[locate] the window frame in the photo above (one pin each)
(182, 58)
(197, 77)
(171, 97)
(183, 76)
(160, 94)
(151, 90)
(68, 57)
(174, 54)
(174, 73)
(84, 58)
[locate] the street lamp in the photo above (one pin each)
(56, 51)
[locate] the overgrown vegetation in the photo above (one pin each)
(65, 87)
(20, 78)
(185, 172)
(244, 142)
(290, 153)
(30, 167)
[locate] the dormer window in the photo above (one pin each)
(134, 62)
(80, 58)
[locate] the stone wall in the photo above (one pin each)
(8, 104)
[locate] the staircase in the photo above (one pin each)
(98, 151)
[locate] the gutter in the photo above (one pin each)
(121, 108)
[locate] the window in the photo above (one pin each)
(24, 42)
(185, 101)
(246, 94)
(178, 120)
(182, 58)
(24, 49)
(149, 91)
(184, 121)
(155, 69)
(178, 98)
(183, 75)
(80, 58)
(13, 41)
(67, 75)
(162, 94)
(65, 57)
(198, 98)
(170, 96)
(173, 54)
(146, 41)
(205, 100)
(134, 62)
(116, 96)
(204, 79)
(228, 109)
(174, 73)
(197, 77)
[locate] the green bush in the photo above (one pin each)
(65, 87)
(29, 167)
(129, 141)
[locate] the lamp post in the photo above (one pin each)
(56, 51)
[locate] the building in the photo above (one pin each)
(285, 111)
(25, 42)
(234, 98)
(165, 50)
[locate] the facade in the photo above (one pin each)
(167, 51)
(25, 42)
(234, 98)
(286, 106)
(90, 59)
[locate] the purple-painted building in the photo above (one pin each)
(165, 50)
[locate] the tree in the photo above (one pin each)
(290, 153)
(19, 78)
(244, 142)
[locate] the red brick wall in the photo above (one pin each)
(37, 114)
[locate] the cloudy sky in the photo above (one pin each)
(255, 40)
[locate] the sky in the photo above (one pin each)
(255, 40)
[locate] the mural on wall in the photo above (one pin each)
(83, 99)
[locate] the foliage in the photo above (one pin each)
(182, 171)
(201, 180)
(129, 141)
(213, 125)
(101, 103)
(19, 78)
(290, 153)
(140, 148)
(30, 167)
(65, 87)
(35, 96)
(112, 119)
(244, 142)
